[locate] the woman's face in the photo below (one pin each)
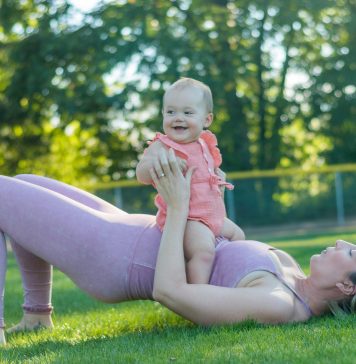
(334, 264)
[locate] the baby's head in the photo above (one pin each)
(187, 110)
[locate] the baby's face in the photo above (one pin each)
(185, 114)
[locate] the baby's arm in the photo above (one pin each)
(231, 231)
(150, 157)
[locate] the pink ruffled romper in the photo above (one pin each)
(206, 204)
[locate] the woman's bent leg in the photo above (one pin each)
(36, 273)
(71, 192)
(80, 241)
(36, 279)
(85, 244)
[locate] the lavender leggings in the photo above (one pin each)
(108, 253)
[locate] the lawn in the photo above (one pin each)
(87, 331)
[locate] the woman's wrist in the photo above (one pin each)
(178, 212)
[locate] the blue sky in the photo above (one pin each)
(84, 5)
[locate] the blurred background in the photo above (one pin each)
(81, 84)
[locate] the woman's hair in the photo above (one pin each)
(346, 306)
(191, 82)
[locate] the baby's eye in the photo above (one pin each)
(169, 112)
(188, 112)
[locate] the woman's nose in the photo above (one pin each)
(342, 244)
(339, 244)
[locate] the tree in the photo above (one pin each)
(246, 51)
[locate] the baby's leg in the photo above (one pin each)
(199, 250)
(231, 231)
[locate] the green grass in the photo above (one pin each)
(87, 331)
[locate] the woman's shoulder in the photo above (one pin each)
(280, 302)
(285, 260)
(275, 303)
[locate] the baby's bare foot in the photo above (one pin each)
(32, 322)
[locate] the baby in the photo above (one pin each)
(187, 111)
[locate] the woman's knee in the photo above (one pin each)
(25, 177)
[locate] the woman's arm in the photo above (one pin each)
(208, 305)
(203, 304)
(175, 189)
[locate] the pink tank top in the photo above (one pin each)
(234, 260)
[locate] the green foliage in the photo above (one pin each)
(271, 65)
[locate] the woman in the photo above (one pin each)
(113, 256)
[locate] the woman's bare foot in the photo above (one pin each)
(2, 336)
(32, 321)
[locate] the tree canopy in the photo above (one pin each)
(80, 97)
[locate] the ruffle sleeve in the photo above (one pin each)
(212, 143)
(178, 149)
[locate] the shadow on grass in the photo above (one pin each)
(165, 343)
(129, 341)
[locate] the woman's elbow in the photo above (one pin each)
(156, 296)
(160, 295)
(161, 292)
(165, 295)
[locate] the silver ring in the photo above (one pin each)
(161, 175)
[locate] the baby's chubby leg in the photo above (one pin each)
(231, 231)
(199, 251)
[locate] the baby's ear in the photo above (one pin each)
(347, 288)
(208, 120)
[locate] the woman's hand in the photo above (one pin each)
(161, 149)
(151, 158)
(170, 182)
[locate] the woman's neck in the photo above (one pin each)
(315, 296)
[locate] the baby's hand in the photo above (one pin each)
(220, 173)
